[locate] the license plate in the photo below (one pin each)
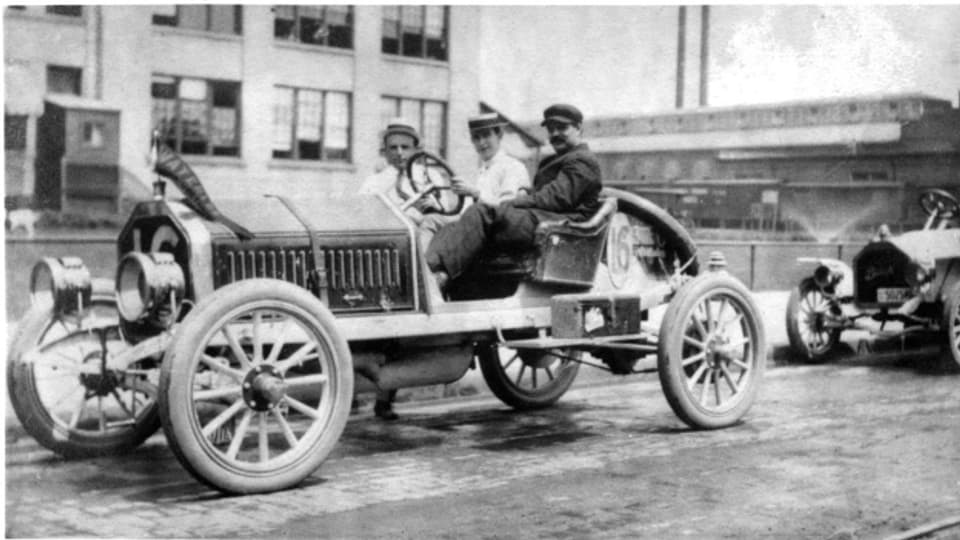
(892, 294)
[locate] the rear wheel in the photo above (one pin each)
(711, 352)
(61, 391)
(950, 326)
(807, 312)
(257, 389)
(528, 379)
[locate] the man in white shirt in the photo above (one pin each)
(501, 177)
(400, 141)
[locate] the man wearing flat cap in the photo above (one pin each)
(400, 141)
(500, 176)
(566, 186)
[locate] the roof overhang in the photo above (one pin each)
(807, 136)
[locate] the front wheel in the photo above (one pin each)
(61, 391)
(527, 379)
(257, 387)
(711, 353)
(808, 310)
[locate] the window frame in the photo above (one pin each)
(423, 46)
(208, 115)
(351, 25)
(421, 102)
(73, 71)
(174, 21)
(295, 121)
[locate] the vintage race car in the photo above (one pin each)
(911, 280)
(247, 341)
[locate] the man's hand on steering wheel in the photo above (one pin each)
(428, 197)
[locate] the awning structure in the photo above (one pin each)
(809, 136)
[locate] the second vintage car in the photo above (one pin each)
(898, 285)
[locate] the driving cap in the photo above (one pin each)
(562, 112)
(402, 127)
(485, 121)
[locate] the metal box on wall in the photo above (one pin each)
(78, 155)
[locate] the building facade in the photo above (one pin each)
(281, 99)
(831, 167)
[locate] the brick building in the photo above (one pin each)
(285, 99)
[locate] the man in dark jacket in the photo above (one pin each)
(566, 186)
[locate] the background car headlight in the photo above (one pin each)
(148, 285)
(919, 272)
(61, 284)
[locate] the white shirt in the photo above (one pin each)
(385, 182)
(501, 178)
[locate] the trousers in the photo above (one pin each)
(457, 245)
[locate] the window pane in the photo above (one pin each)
(15, 131)
(284, 22)
(340, 26)
(391, 32)
(193, 89)
(71, 11)
(388, 110)
(165, 15)
(412, 24)
(337, 126)
(410, 111)
(193, 16)
(309, 115)
(164, 109)
(282, 122)
(224, 19)
(312, 29)
(436, 33)
(433, 126)
(63, 80)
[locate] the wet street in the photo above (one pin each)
(865, 448)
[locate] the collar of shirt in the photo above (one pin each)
(484, 165)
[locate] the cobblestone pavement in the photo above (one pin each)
(860, 449)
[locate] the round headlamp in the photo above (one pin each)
(919, 272)
(60, 284)
(149, 285)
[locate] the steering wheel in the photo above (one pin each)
(448, 203)
(937, 202)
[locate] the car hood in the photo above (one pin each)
(356, 213)
(929, 245)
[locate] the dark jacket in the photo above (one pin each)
(567, 184)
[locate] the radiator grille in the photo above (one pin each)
(357, 278)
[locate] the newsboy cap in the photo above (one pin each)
(561, 112)
(485, 121)
(402, 127)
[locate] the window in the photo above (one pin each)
(196, 116)
(93, 134)
(311, 124)
(70, 11)
(317, 25)
(15, 131)
(219, 18)
(429, 117)
(869, 176)
(418, 31)
(64, 80)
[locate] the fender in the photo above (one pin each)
(838, 272)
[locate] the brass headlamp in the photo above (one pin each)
(149, 286)
(60, 284)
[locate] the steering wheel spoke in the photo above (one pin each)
(438, 187)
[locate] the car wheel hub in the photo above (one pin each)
(101, 383)
(263, 388)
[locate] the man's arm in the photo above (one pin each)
(574, 179)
